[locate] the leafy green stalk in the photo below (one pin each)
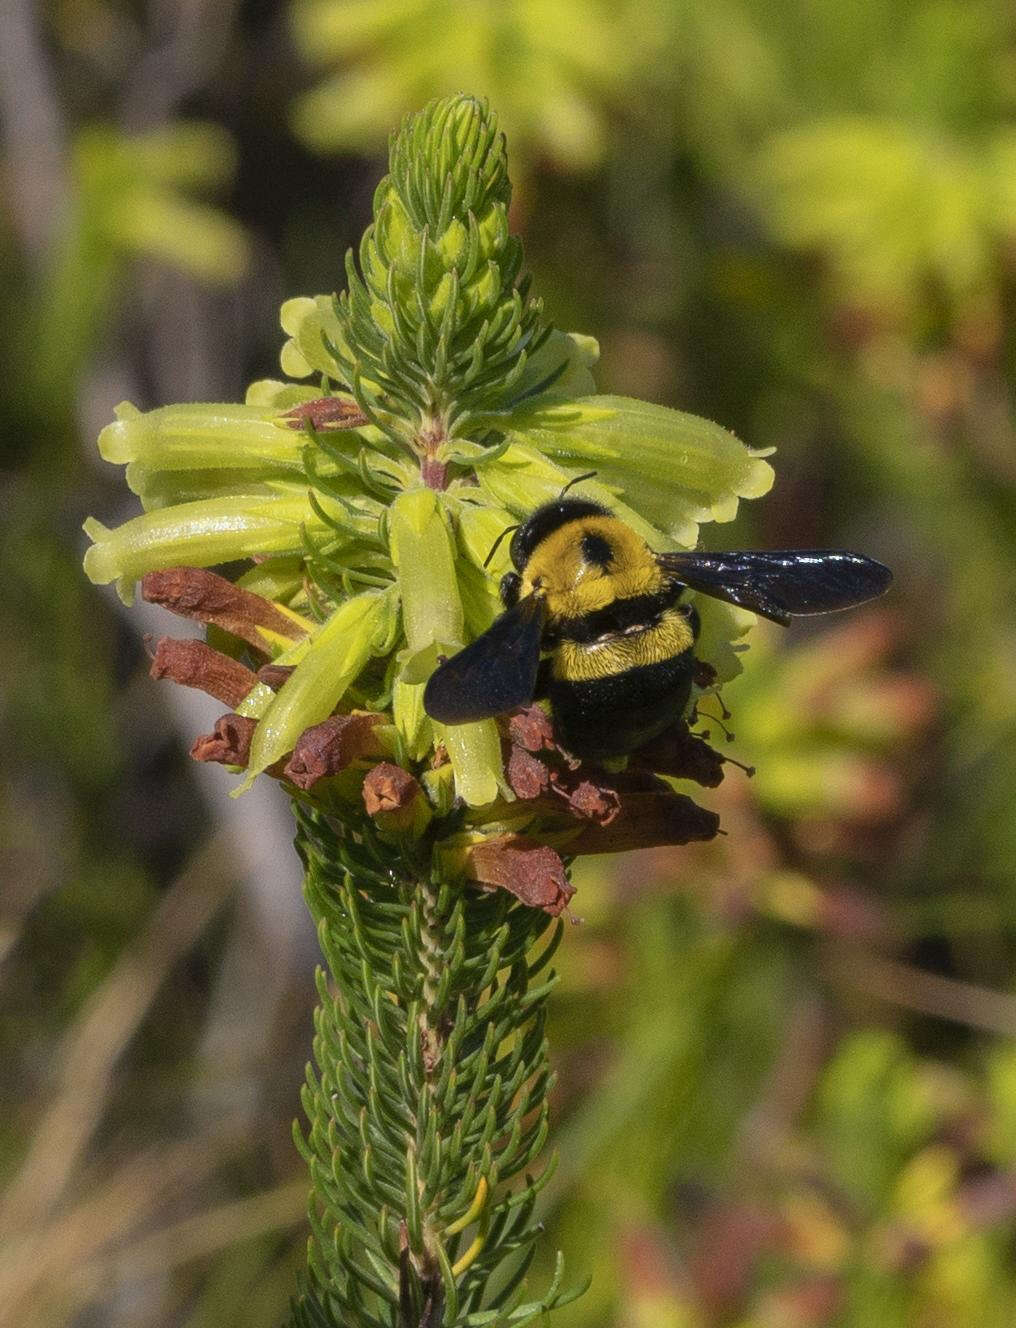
(431, 1093)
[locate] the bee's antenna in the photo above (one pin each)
(494, 547)
(589, 475)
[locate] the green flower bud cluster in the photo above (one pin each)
(436, 324)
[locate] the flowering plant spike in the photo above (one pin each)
(424, 410)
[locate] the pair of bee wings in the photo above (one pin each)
(498, 671)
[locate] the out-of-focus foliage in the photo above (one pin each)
(553, 68)
(787, 1094)
(906, 177)
(129, 197)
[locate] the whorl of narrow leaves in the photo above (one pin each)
(435, 324)
(430, 1094)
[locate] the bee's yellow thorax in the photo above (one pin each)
(572, 585)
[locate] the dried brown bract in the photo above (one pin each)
(195, 664)
(328, 747)
(528, 776)
(532, 872)
(274, 675)
(228, 743)
(326, 413)
(194, 592)
(389, 788)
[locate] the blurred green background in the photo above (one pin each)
(787, 1090)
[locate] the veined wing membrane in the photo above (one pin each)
(782, 583)
(494, 673)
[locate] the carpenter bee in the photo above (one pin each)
(596, 623)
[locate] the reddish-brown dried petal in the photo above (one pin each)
(229, 742)
(648, 819)
(326, 413)
(678, 753)
(328, 747)
(389, 788)
(531, 872)
(274, 675)
(195, 664)
(527, 775)
(532, 729)
(194, 592)
(593, 802)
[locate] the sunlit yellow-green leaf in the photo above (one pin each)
(191, 236)
(389, 58)
(892, 203)
(334, 658)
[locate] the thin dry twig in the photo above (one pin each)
(110, 1018)
(66, 1259)
(928, 993)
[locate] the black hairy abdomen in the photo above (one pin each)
(612, 716)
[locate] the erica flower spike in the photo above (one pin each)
(426, 410)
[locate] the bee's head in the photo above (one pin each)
(544, 521)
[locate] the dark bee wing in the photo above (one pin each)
(783, 583)
(494, 673)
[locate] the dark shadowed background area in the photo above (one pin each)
(787, 1092)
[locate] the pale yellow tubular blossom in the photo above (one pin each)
(199, 534)
(425, 561)
(570, 357)
(475, 754)
(478, 530)
(720, 627)
(311, 325)
(521, 479)
(332, 660)
(201, 436)
(424, 557)
(678, 470)
(169, 488)
(276, 395)
(278, 579)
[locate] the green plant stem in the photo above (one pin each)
(430, 1097)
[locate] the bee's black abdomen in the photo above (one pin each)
(614, 715)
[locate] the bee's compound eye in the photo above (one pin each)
(509, 589)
